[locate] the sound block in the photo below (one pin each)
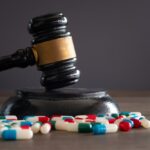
(66, 101)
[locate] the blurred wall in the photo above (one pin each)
(112, 40)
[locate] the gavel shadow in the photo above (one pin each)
(67, 101)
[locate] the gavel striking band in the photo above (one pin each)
(52, 50)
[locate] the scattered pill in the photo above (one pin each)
(145, 123)
(36, 127)
(42, 119)
(17, 134)
(13, 129)
(125, 126)
(45, 128)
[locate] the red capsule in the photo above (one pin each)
(91, 117)
(124, 126)
(112, 120)
(137, 123)
(43, 119)
(69, 120)
(120, 117)
(25, 127)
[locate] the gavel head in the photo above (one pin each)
(54, 51)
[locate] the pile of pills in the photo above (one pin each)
(13, 129)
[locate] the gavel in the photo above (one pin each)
(52, 51)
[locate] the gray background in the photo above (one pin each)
(112, 40)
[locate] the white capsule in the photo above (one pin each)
(102, 120)
(8, 117)
(61, 125)
(36, 127)
(145, 123)
(72, 127)
(45, 128)
(111, 128)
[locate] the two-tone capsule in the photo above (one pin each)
(17, 134)
(99, 129)
(8, 117)
(42, 119)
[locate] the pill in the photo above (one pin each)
(60, 125)
(130, 121)
(21, 123)
(79, 127)
(53, 122)
(36, 127)
(145, 123)
(45, 128)
(8, 117)
(69, 120)
(137, 123)
(2, 129)
(84, 127)
(55, 118)
(114, 115)
(102, 120)
(112, 120)
(81, 116)
(99, 129)
(42, 119)
(125, 126)
(17, 134)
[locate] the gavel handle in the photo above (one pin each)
(21, 58)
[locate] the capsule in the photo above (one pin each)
(102, 120)
(42, 119)
(21, 123)
(130, 121)
(125, 126)
(99, 129)
(145, 123)
(8, 117)
(137, 123)
(17, 134)
(58, 117)
(60, 125)
(2, 129)
(45, 128)
(36, 127)
(79, 127)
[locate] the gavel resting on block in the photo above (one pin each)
(52, 51)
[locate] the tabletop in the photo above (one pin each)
(59, 140)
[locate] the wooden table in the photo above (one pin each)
(138, 139)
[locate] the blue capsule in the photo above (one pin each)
(99, 129)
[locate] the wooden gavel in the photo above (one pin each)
(52, 51)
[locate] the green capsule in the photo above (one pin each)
(101, 115)
(53, 122)
(67, 117)
(125, 113)
(115, 115)
(2, 117)
(8, 126)
(84, 127)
